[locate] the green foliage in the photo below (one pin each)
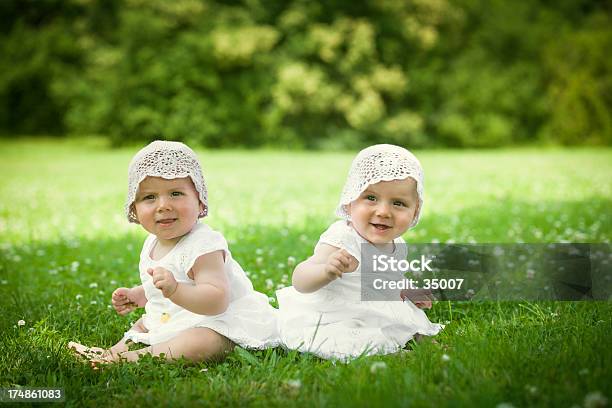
(464, 73)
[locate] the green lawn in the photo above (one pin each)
(65, 245)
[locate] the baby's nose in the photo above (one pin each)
(163, 203)
(383, 210)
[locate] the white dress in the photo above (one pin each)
(334, 323)
(249, 320)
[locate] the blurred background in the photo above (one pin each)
(335, 74)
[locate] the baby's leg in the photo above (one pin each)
(197, 344)
(122, 346)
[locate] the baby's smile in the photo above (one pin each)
(381, 227)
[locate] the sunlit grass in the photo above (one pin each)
(65, 245)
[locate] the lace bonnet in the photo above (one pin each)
(165, 159)
(382, 162)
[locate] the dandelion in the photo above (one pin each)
(377, 366)
(595, 400)
(93, 285)
(21, 323)
(445, 357)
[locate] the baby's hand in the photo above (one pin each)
(339, 262)
(121, 301)
(422, 298)
(163, 280)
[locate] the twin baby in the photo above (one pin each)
(199, 302)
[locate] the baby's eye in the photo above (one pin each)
(148, 197)
(176, 194)
(370, 197)
(399, 203)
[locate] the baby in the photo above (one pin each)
(323, 312)
(199, 302)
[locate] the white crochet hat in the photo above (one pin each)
(382, 162)
(165, 159)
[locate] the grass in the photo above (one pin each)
(65, 245)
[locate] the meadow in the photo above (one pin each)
(65, 245)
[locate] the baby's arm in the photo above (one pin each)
(326, 265)
(125, 300)
(422, 298)
(209, 295)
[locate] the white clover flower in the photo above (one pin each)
(377, 366)
(291, 261)
(504, 405)
(259, 261)
(595, 400)
(74, 266)
(445, 357)
(4, 282)
(204, 370)
(93, 285)
(78, 296)
(271, 299)
(281, 265)
(93, 302)
(113, 282)
(259, 251)
(296, 384)
(21, 323)
(269, 284)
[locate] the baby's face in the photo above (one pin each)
(385, 210)
(168, 209)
